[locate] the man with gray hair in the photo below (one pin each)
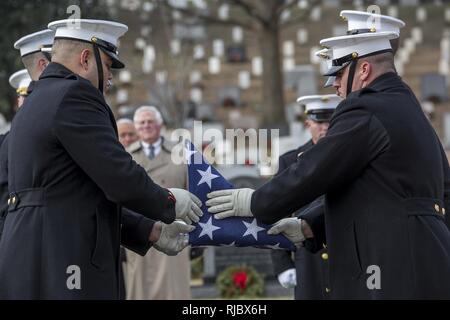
(127, 132)
(156, 276)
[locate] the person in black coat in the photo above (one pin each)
(385, 178)
(307, 272)
(35, 57)
(69, 181)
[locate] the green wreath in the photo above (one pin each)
(240, 282)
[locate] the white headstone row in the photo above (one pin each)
(148, 59)
(257, 66)
(244, 80)
(444, 62)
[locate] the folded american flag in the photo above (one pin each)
(230, 232)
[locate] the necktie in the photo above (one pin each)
(151, 154)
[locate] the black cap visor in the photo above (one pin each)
(116, 63)
(321, 115)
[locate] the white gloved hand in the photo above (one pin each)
(291, 228)
(230, 203)
(187, 206)
(288, 278)
(173, 238)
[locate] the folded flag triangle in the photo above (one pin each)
(229, 232)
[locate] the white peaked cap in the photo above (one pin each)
(356, 46)
(361, 20)
(35, 42)
(105, 34)
(20, 81)
(319, 102)
(327, 54)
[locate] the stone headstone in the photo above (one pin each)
(257, 66)
(125, 76)
(236, 54)
(204, 112)
(229, 95)
(175, 46)
(447, 129)
(316, 14)
(196, 95)
(257, 258)
(409, 2)
(303, 4)
(145, 31)
(434, 87)
(417, 34)
(199, 52)
(421, 14)
(214, 66)
(285, 15)
(237, 34)
(307, 82)
(179, 3)
(122, 96)
(332, 3)
(292, 77)
(288, 64)
(392, 11)
(140, 44)
(302, 36)
(189, 32)
(288, 49)
(218, 47)
(148, 6)
(161, 77)
(447, 14)
(224, 12)
(244, 80)
(195, 77)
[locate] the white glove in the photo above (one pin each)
(230, 203)
(173, 238)
(288, 278)
(187, 206)
(291, 228)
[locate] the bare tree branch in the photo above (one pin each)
(209, 18)
(250, 10)
(286, 6)
(300, 18)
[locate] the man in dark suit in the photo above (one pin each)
(69, 177)
(383, 172)
(307, 272)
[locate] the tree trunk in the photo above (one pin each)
(272, 78)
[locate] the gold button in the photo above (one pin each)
(325, 256)
(13, 200)
(436, 207)
(9, 201)
(443, 211)
(328, 290)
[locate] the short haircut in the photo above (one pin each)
(125, 121)
(153, 109)
(64, 49)
(383, 62)
(30, 62)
